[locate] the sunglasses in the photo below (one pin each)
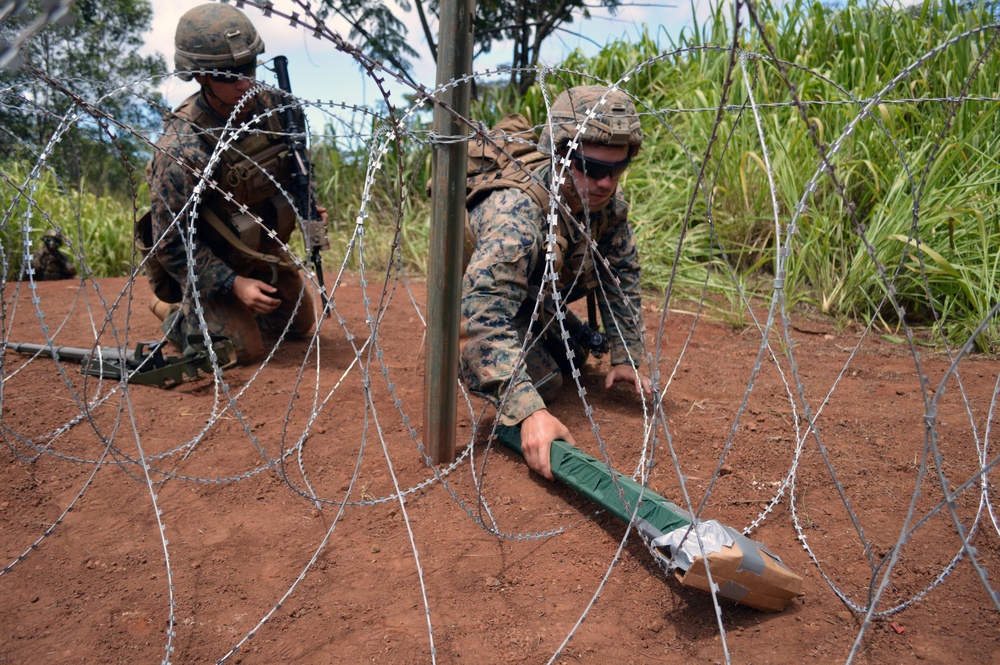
(234, 74)
(597, 169)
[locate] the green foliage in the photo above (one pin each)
(397, 210)
(377, 28)
(96, 58)
(97, 230)
(911, 210)
(921, 176)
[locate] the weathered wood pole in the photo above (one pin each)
(444, 271)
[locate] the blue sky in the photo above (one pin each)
(319, 72)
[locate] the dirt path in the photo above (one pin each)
(379, 580)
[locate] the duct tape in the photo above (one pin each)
(753, 561)
(685, 546)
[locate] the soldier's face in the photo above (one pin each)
(596, 191)
(223, 95)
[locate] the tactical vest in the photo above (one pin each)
(489, 169)
(247, 174)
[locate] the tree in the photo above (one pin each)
(528, 23)
(381, 31)
(95, 55)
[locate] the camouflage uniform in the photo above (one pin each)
(501, 285)
(172, 185)
(48, 262)
(251, 185)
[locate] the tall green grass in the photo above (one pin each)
(97, 230)
(921, 176)
(913, 210)
(913, 213)
(397, 211)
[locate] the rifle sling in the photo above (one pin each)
(227, 234)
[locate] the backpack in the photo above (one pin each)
(165, 287)
(490, 169)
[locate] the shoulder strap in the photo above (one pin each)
(234, 241)
(508, 160)
(194, 113)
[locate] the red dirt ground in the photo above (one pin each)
(240, 531)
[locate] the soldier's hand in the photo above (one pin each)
(255, 294)
(626, 373)
(323, 214)
(538, 431)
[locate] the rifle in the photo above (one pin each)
(586, 336)
(589, 334)
(145, 366)
(313, 227)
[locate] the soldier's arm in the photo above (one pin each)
(494, 287)
(171, 189)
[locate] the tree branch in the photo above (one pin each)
(400, 67)
(427, 30)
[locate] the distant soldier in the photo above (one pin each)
(248, 285)
(504, 276)
(48, 262)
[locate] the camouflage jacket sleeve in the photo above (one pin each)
(494, 287)
(621, 309)
(179, 155)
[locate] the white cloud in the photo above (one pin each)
(320, 72)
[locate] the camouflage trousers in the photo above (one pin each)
(547, 361)
(227, 316)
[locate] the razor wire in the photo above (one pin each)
(395, 131)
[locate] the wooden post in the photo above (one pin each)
(444, 271)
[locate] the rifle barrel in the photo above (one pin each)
(313, 229)
(67, 352)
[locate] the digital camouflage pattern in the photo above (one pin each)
(501, 284)
(615, 120)
(48, 262)
(214, 36)
(182, 153)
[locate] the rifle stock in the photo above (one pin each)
(313, 227)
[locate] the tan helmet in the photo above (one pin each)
(214, 36)
(615, 121)
(52, 239)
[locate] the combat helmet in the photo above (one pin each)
(615, 121)
(52, 239)
(214, 36)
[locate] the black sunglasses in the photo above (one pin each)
(234, 74)
(597, 169)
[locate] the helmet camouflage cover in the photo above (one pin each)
(214, 36)
(615, 120)
(52, 239)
